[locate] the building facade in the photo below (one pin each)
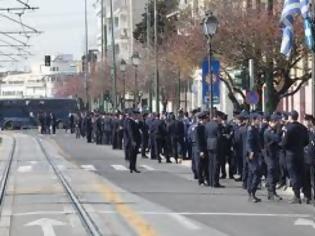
(126, 14)
(26, 86)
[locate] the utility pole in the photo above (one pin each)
(86, 61)
(156, 72)
(148, 13)
(114, 85)
(102, 30)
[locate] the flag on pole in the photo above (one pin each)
(291, 9)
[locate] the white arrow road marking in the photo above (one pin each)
(120, 167)
(149, 168)
(24, 169)
(304, 222)
(47, 225)
(88, 167)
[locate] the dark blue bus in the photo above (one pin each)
(23, 113)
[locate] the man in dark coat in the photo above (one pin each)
(89, 128)
(212, 137)
(272, 149)
(294, 140)
(133, 140)
(253, 151)
(158, 130)
(309, 161)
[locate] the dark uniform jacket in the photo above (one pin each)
(295, 139)
(253, 140)
(212, 135)
(272, 140)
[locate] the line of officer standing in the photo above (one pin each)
(249, 148)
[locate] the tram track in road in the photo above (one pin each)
(86, 219)
(6, 173)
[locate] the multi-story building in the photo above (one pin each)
(126, 14)
(26, 86)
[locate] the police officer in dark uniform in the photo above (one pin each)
(253, 152)
(133, 140)
(199, 146)
(158, 132)
(225, 148)
(191, 138)
(294, 140)
(144, 135)
(284, 175)
(309, 161)
(272, 141)
(99, 129)
(213, 136)
(243, 136)
(89, 128)
(177, 134)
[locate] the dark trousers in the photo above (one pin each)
(213, 168)
(227, 157)
(308, 182)
(157, 148)
(119, 137)
(54, 129)
(296, 172)
(272, 173)
(195, 161)
(108, 137)
(144, 144)
(89, 136)
(284, 175)
(245, 172)
(238, 162)
(253, 178)
(99, 137)
(133, 151)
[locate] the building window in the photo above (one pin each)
(116, 22)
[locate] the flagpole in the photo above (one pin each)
(313, 64)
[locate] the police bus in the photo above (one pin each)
(23, 113)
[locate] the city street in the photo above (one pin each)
(162, 200)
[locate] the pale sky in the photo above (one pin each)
(63, 24)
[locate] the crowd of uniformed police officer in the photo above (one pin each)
(276, 148)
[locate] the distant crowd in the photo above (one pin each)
(247, 148)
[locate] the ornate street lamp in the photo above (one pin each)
(123, 67)
(210, 25)
(135, 59)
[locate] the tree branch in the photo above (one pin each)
(303, 80)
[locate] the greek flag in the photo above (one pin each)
(291, 9)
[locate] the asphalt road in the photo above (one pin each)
(171, 200)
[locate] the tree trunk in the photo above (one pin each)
(164, 103)
(272, 99)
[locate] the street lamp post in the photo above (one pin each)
(123, 66)
(135, 62)
(210, 25)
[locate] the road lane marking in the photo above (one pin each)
(34, 213)
(88, 167)
(188, 224)
(218, 214)
(47, 225)
(149, 168)
(304, 222)
(120, 167)
(136, 221)
(25, 169)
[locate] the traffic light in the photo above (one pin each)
(47, 60)
(241, 78)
